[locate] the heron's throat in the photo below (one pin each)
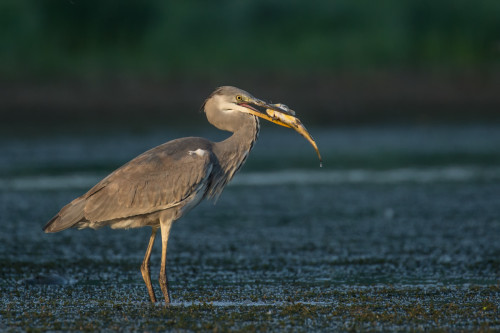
(233, 152)
(236, 148)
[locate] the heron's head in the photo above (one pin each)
(229, 108)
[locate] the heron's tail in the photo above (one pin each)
(68, 217)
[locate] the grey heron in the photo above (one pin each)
(164, 183)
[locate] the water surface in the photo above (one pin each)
(399, 231)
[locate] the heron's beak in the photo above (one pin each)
(249, 104)
(282, 115)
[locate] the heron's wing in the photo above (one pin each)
(161, 178)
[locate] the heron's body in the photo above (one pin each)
(162, 184)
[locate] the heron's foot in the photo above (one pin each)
(147, 279)
(164, 288)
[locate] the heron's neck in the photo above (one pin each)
(232, 152)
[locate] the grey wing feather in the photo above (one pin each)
(161, 178)
(71, 214)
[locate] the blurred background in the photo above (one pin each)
(138, 63)
(402, 97)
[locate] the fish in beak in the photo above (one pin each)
(282, 115)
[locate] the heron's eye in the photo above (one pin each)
(239, 98)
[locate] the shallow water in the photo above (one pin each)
(399, 231)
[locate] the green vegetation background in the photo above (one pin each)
(426, 46)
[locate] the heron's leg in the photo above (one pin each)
(165, 231)
(146, 275)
